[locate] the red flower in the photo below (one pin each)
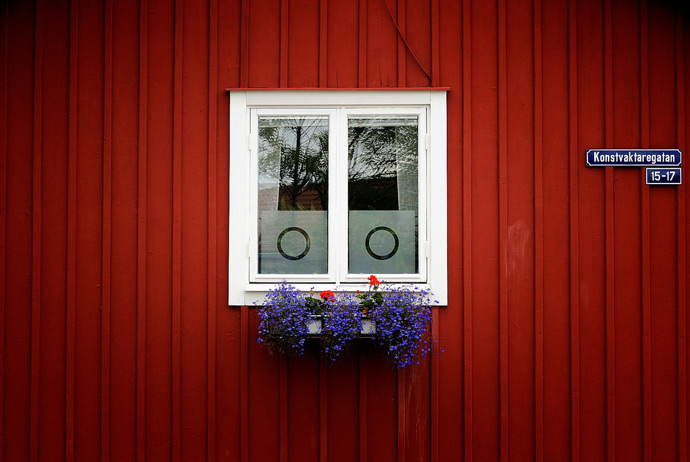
(326, 294)
(373, 281)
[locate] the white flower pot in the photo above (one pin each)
(314, 325)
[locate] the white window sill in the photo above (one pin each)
(254, 294)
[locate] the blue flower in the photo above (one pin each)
(401, 314)
(284, 320)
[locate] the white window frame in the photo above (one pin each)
(245, 285)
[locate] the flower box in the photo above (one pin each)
(396, 318)
(314, 325)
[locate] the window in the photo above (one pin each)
(328, 187)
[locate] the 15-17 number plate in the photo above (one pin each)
(663, 176)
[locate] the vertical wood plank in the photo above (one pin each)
(71, 234)
(87, 201)
(106, 228)
(362, 398)
(283, 412)
(627, 239)
(362, 44)
(574, 235)
(177, 237)
(434, 385)
(467, 225)
(141, 230)
(646, 242)
(402, 51)
(538, 239)
(663, 238)
(434, 388)
(244, 384)
(323, 43)
(34, 415)
(3, 210)
(284, 38)
(323, 409)
(503, 229)
(609, 226)
(402, 415)
(212, 224)
(17, 321)
(244, 44)
(123, 244)
(435, 44)
(447, 416)
(682, 281)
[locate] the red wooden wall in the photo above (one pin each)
(566, 333)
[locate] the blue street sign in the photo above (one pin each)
(633, 157)
(664, 176)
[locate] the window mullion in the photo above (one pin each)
(342, 196)
(333, 188)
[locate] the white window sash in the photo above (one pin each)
(254, 275)
(343, 205)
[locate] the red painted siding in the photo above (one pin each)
(565, 336)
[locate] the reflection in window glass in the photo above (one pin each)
(383, 183)
(293, 195)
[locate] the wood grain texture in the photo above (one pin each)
(610, 253)
(283, 413)
(284, 38)
(3, 205)
(212, 225)
(467, 227)
(538, 236)
(646, 242)
(177, 236)
(244, 44)
(573, 235)
(362, 400)
(323, 43)
(434, 388)
(323, 409)
(71, 235)
(36, 226)
(362, 44)
(401, 399)
(682, 246)
(106, 229)
(36, 216)
(17, 322)
(402, 50)
(142, 201)
(504, 426)
(244, 384)
(435, 44)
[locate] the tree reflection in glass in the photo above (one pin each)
(293, 195)
(383, 189)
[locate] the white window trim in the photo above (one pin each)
(241, 227)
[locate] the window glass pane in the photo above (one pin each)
(293, 195)
(383, 184)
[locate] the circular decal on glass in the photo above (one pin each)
(395, 246)
(307, 243)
